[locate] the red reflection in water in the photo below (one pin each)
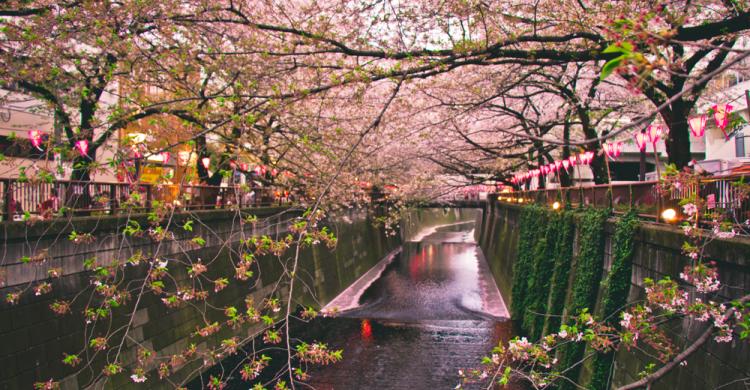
(366, 330)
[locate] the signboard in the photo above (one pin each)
(151, 175)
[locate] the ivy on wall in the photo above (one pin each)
(563, 255)
(542, 271)
(532, 221)
(616, 288)
(540, 277)
(588, 273)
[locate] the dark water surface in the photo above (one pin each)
(411, 323)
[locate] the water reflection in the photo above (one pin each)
(434, 309)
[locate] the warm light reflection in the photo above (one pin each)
(366, 330)
(556, 205)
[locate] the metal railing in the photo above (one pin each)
(50, 199)
(645, 197)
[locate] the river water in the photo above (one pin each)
(412, 322)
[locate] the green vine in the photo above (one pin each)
(617, 287)
(540, 277)
(559, 283)
(588, 274)
(531, 221)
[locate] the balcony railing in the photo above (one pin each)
(645, 197)
(48, 200)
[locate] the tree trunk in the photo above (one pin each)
(79, 193)
(678, 140)
(599, 168)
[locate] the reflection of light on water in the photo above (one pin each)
(366, 330)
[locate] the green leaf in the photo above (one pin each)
(610, 66)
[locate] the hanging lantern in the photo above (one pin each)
(164, 157)
(654, 132)
(184, 157)
(566, 164)
(613, 149)
(206, 161)
(243, 167)
(698, 125)
(83, 147)
(232, 164)
(586, 157)
(640, 140)
(274, 172)
(721, 116)
(36, 138)
(258, 170)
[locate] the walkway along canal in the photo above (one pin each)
(426, 311)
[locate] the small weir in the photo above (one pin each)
(424, 312)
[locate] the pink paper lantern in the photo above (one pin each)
(274, 172)
(36, 138)
(640, 140)
(586, 158)
(654, 132)
(243, 166)
(613, 149)
(698, 125)
(206, 161)
(83, 147)
(618, 148)
(164, 157)
(721, 115)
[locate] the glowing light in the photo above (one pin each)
(555, 205)
(83, 147)
(698, 125)
(206, 161)
(669, 215)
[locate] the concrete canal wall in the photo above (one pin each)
(33, 339)
(656, 254)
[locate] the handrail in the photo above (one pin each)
(643, 196)
(47, 199)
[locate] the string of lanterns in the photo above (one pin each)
(651, 135)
